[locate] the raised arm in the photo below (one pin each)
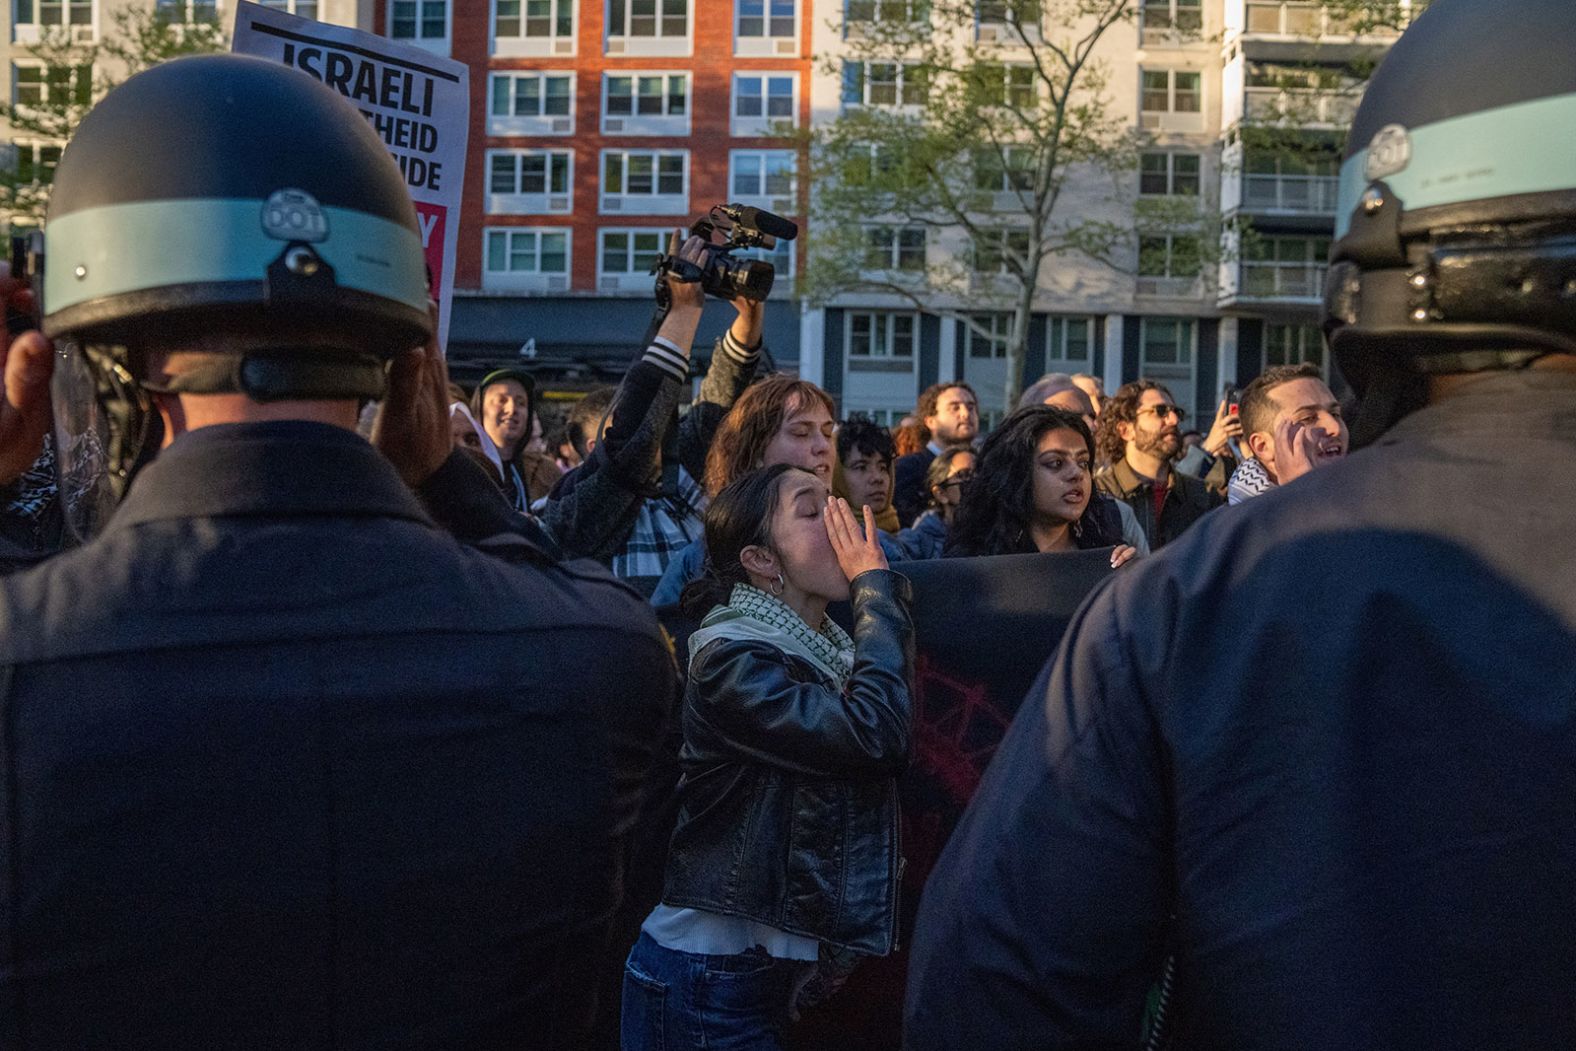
(735, 359)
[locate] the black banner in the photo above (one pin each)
(984, 628)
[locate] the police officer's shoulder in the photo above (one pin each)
(578, 590)
(1214, 561)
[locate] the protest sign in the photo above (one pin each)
(418, 103)
(984, 629)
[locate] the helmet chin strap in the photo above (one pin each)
(284, 374)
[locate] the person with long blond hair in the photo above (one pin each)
(780, 420)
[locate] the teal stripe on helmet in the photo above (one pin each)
(1512, 150)
(132, 247)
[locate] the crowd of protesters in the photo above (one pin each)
(741, 507)
(484, 731)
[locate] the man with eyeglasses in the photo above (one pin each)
(1140, 438)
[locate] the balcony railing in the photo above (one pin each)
(1301, 107)
(1170, 287)
(1292, 194)
(1282, 280)
(1306, 20)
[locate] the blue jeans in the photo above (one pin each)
(680, 1001)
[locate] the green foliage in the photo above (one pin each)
(53, 96)
(972, 137)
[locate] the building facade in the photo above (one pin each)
(1242, 106)
(600, 126)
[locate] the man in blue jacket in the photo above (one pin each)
(1320, 753)
(285, 764)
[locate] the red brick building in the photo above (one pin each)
(596, 128)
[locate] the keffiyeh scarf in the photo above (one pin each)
(753, 614)
(1248, 481)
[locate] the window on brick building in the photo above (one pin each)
(529, 182)
(625, 258)
(766, 27)
(767, 178)
(648, 27)
(763, 101)
(419, 20)
(782, 259)
(645, 182)
(528, 251)
(526, 259)
(638, 103)
(531, 104)
(533, 27)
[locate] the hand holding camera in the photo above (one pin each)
(717, 271)
(681, 281)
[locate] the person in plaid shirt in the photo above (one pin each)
(626, 505)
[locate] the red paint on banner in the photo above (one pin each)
(432, 219)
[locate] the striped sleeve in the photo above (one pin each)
(666, 355)
(738, 351)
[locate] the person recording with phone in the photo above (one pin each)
(1213, 456)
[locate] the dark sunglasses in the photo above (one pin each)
(956, 480)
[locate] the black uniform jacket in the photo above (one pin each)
(283, 765)
(1332, 731)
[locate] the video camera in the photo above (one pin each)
(721, 274)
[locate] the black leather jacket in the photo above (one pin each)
(788, 806)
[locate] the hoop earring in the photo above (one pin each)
(777, 592)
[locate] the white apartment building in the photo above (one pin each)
(1195, 76)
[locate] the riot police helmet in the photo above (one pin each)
(212, 199)
(1455, 245)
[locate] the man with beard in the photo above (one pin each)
(1293, 424)
(1139, 437)
(950, 412)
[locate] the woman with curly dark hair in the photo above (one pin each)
(1033, 490)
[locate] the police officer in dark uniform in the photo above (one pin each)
(283, 764)
(1321, 752)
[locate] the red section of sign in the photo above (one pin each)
(432, 218)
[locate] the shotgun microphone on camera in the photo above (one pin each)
(756, 219)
